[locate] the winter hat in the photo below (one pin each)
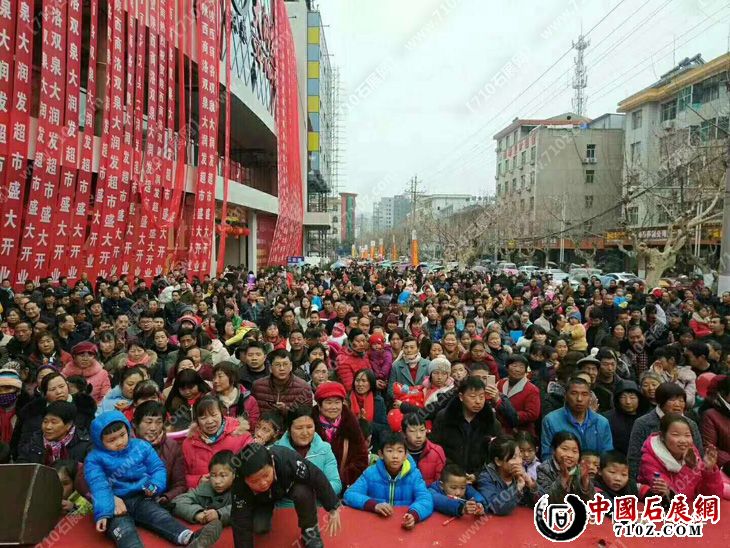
(330, 389)
(253, 458)
(10, 377)
(703, 383)
(64, 410)
(191, 319)
(439, 363)
(85, 346)
(376, 338)
(575, 314)
(338, 330)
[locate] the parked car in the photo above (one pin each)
(556, 274)
(510, 269)
(528, 270)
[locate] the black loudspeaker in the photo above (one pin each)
(30, 502)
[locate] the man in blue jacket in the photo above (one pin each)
(393, 481)
(124, 475)
(592, 429)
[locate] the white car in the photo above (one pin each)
(556, 274)
(621, 276)
(510, 269)
(528, 269)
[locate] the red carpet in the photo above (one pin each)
(361, 529)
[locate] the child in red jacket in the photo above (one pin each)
(429, 457)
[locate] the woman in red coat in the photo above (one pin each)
(715, 426)
(49, 352)
(352, 358)
(336, 424)
(671, 464)
(214, 433)
(237, 399)
(523, 395)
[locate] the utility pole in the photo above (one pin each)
(414, 193)
(562, 234)
(723, 282)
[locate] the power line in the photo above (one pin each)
(512, 102)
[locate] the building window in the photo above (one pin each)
(514, 184)
(632, 215)
(636, 152)
(694, 135)
(722, 127)
(532, 178)
(636, 119)
(532, 203)
(522, 182)
(523, 157)
(522, 204)
(707, 130)
(669, 110)
(591, 152)
(590, 176)
(684, 98)
(589, 201)
(533, 153)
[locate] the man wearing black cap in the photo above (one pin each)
(265, 476)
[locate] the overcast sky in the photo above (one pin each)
(427, 83)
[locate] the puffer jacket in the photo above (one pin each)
(295, 393)
(715, 429)
(120, 473)
(348, 444)
(113, 397)
(681, 479)
(197, 453)
(349, 363)
(203, 497)
(320, 454)
(406, 489)
(381, 363)
(34, 450)
(95, 375)
(432, 462)
(502, 499)
(245, 405)
(451, 506)
(525, 399)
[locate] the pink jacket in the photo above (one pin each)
(656, 458)
(95, 375)
(381, 362)
(198, 454)
(348, 364)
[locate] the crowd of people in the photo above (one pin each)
(216, 401)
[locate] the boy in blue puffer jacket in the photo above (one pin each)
(124, 475)
(393, 481)
(453, 496)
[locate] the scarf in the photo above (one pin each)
(55, 448)
(358, 403)
(519, 386)
(412, 362)
(144, 362)
(210, 440)
(330, 427)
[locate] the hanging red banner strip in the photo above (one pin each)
(79, 219)
(227, 146)
(7, 45)
(63, 211)
(38, 224)
(109, 245)
(288, 235)
(16, 169)
(208, 83)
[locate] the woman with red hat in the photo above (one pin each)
(336, 424)
(85, 364)
(381, 360)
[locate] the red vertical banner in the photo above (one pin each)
(63, 216)
(7, 44)
(288, 235)
(79, 218)
(39, 223)
(227, 146)
(108, 214)
(12, 183)
(201, 237)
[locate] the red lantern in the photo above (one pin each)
(246, 231)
